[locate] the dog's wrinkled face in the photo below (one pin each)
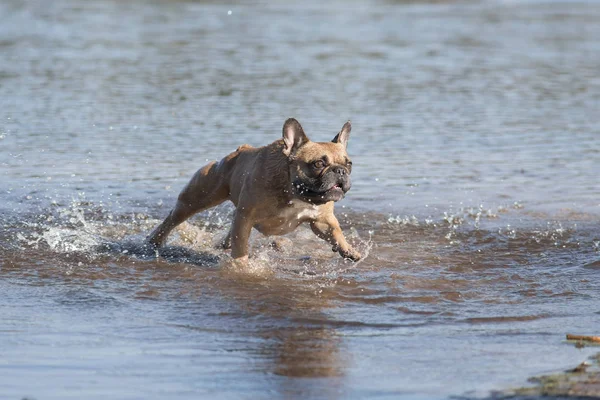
(319, 172)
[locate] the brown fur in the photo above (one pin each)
(274, 188)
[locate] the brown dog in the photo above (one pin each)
(274, 188)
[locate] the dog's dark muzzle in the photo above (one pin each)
(340, 176)
(332, 185)
(339, 170)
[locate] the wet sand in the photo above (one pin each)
(580, 382)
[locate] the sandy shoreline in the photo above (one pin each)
(582, 381)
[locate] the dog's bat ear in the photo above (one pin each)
(344, 134)
(293, 136)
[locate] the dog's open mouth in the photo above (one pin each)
(334, 193)
(334, 188)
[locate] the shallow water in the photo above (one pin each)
(476, 159)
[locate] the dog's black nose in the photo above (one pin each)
(339, 170)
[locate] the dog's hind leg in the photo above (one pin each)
(225, 243)
(178, 214)
(206, 189)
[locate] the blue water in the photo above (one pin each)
(474, 197)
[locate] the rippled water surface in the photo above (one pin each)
(475, 196)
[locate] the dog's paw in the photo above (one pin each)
(350, 254)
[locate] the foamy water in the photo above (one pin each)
(474, 198)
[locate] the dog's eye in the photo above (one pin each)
(318, 164)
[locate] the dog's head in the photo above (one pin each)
(319, 171)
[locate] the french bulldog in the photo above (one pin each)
(274, 188)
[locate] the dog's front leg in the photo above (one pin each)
(328, 229)
(240, 234)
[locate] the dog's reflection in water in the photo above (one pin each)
(296, 339)
(311, 352)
